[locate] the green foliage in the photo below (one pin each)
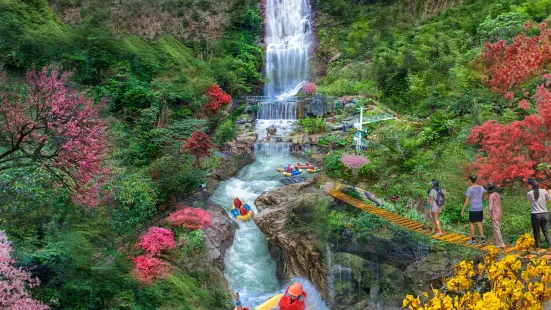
(313, 124)
(333, 164)
(352, 192)
(504, 27)
(333, 141)
(310, 216)
(175, 177)
(192, 242)
(225, 132)
(254, 108)
(136, 199)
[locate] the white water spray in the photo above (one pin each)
(249, 268)
(289, 39)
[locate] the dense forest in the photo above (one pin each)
(113, 113)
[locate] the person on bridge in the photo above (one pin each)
(540, 217)
(435, 207)
(494, 212)
(294, 298)
(474, 194)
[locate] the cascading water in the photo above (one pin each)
(249, 267)
(288, 38)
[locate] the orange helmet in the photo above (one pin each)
(295, 289)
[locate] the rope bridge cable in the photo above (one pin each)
(454, 238)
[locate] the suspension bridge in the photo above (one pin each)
(449, 237)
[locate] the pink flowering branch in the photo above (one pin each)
(354, 161)
(193, 218)
(56, 128)
(157, 239)
(149, 268)
(15, 281)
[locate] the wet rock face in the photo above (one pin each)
(303, 255)
(219, 236)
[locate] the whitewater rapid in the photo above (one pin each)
(249, 268)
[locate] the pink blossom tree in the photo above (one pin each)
(354, 162)
(149, 268)
(157, 239)
(193, 218)
(309, 88)
(56, 128)
(14, 281)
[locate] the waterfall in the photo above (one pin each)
(288, 38)
(277, 110)
(271, 149)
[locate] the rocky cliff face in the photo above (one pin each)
(184, 19)
(302, 256)
(219, 236)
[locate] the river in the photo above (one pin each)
(249, 268)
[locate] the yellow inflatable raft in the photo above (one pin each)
(270, 303)
(287, 174)
(313, 170)
(246, 217)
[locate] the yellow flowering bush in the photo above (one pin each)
(525, 243)
(512, 284)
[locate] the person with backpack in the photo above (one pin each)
(436, 202)
(540, 216)
(494, 212)
(474, 195)
(427, 214)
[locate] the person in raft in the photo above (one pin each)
(294, 298)
(238, 305)
(289, 168)
(240, 206)
(474, 194)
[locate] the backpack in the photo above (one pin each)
(440, 198)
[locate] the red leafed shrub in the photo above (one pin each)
(54, 127)
(507, 66)
(150, 268)
(193, 218)
(310, 88)
(518, 150)
(197, 145)
(14, 281)
(157, 239)
(215, 98)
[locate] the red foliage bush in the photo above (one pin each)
(157, 239)
(519, 150)
(310, 88)
(507, 66)
(216, 97)
(193, 218)
(197, 145)
(149, 268)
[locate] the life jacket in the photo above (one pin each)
(285, 303)
(289, 169)
(243, 210)
(237, 203)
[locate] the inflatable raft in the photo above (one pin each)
(313, 170)
(280, 169)
(293, 173)
(305, 166)
(270, 303)
(235, 213)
